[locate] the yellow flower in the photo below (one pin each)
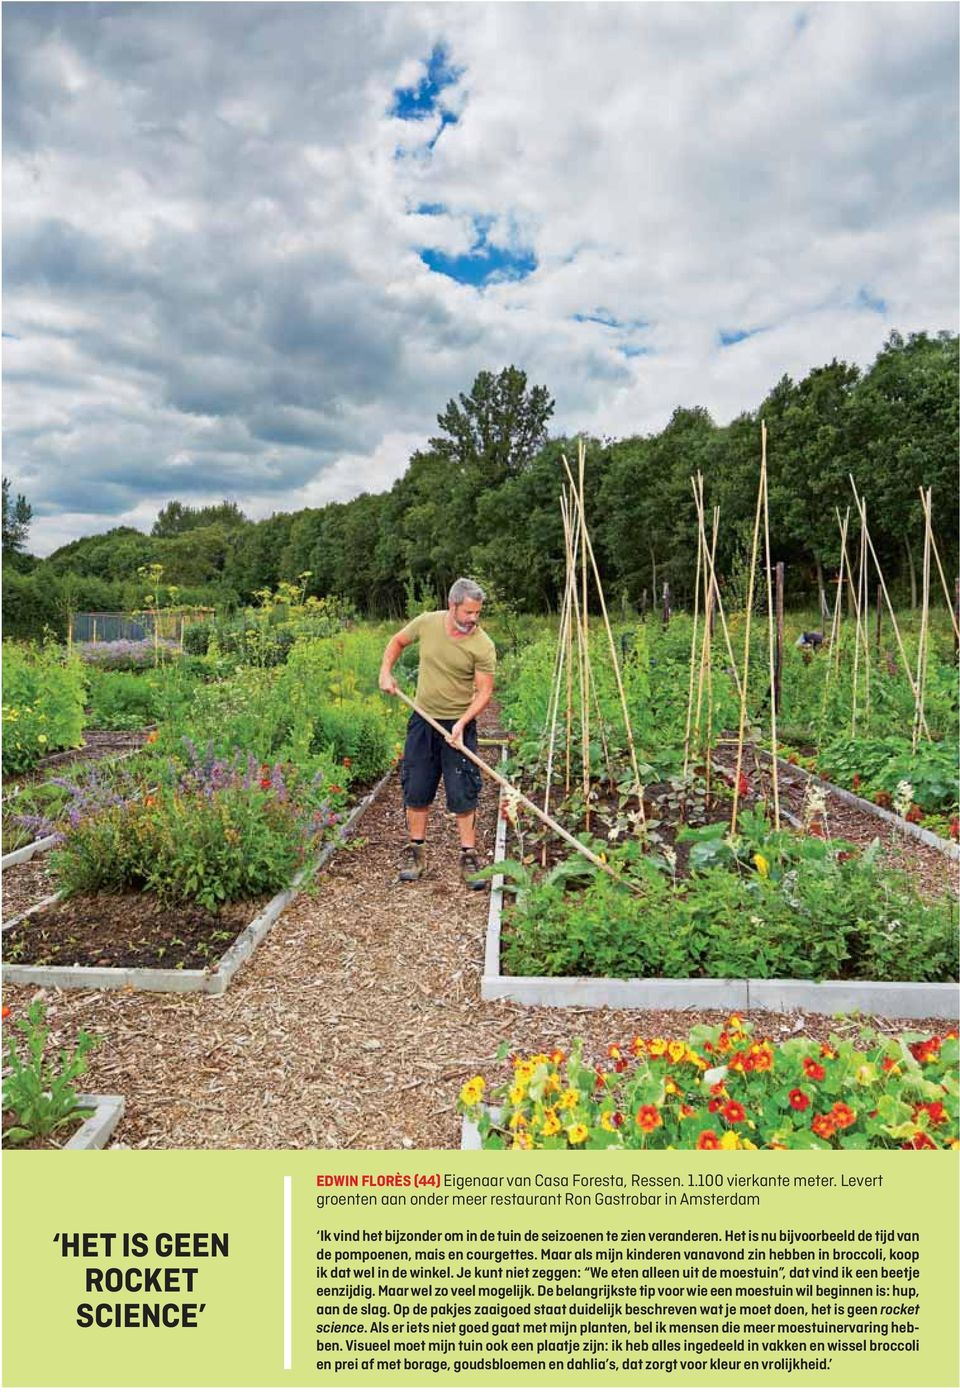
(518, 1121)
(551, 1122)
(552, 1083)
(729, 1141)
(656, 1047)
(523, 1072)
(522, 1141)
(517, 1094)
(606, 1121)
(670, 1086)
(746, 1143)
(762, 864)
(577, 1134)
(677, 1050)
(568, 1099)
(471, 1092)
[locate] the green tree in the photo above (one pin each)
(16, 522)
(177, 518)
(496, 428)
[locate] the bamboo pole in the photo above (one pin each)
(890, 609)
(838, 603)
(571, 591)
(585, 621)
(693, 653)
(923, 639)
(512, 791)
(554, 708)
(708, 649)
(615, 661)
(833, 667)
(858, 639)
(865, 572)
(746, 636)
(951, 604)
(720, 611)
(771, 622)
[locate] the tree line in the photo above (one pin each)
(483, 498)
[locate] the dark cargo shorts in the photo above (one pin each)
(427, 756)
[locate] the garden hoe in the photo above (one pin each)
(514, 793)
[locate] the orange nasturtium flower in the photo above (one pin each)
(6, 1012)
(649, 1118)
(843, 1115)
(823, 1126)
(734, 1112)
(708, 1140)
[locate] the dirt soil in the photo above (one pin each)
(931, 871)
(127, 930)
(355, 1023)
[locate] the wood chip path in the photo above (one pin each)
(355, 1023)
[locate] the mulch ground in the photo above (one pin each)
(355, 1023)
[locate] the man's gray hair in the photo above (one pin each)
(465, 589)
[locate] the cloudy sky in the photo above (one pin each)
(251, 250)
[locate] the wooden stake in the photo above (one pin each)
(615, 661)
(924, 622)
(953, 605)
(772, 623)
(879, 620)
(693, 651)
(719, 599)
(585, 622)
(890, 609)
(778, 664)
(746, 637)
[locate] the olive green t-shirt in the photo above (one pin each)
(447, 665)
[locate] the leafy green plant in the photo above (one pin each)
(38, 1088)
(720, 1088)
(43, 703)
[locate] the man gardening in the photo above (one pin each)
(457, 663)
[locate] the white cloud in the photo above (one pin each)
(212, 266)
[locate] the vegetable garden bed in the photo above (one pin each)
(907, 1000)
(105, 929)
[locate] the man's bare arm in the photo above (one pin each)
(394, 648)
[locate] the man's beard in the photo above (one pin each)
(463, 627)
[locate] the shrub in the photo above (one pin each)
(224, 831)
(42, 706)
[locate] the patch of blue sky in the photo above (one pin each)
(800, 21)
(866, 299)
(609, 320)
(430, 209)
(727, 337)
(447, 118)
(414, 103)
(481, 265)
(635, 350)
